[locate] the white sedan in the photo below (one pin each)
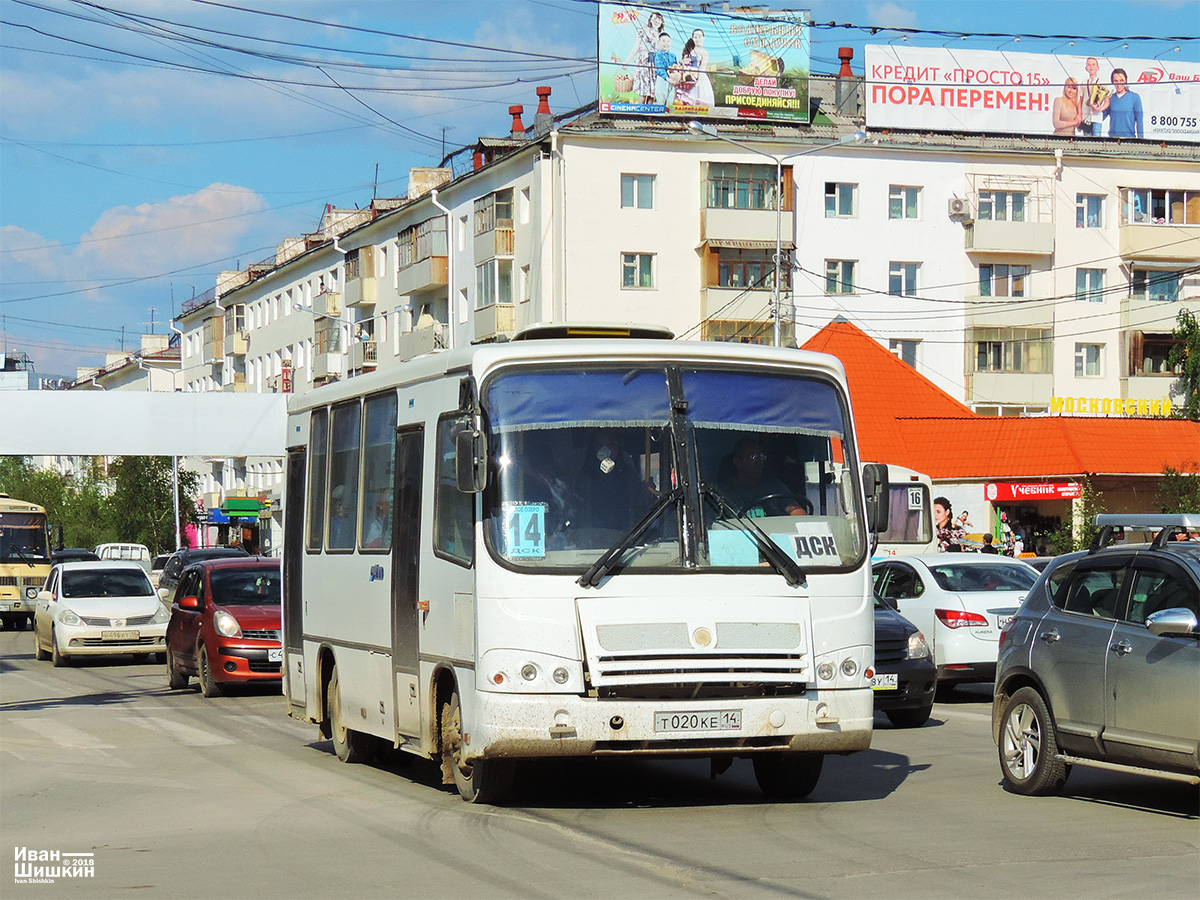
(961, 601)
(96, 609)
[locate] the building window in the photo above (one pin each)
(902, 279)
(1089, 285)
(750, 269)
(637, 192)
(494, 211)
(637, 270)
(1002, 280)
(235, 319)
(493, 283)
(422, 241)
(741, 186)
(839, 276)
(1149, 354)
(1002, 206)
(1087, 360)
(902, 202)
(905, 350)
(840, 200)
(1089, 210)
(1006, 350)
(1152, 284)
(1159, 206)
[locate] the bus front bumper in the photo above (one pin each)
(519, 725)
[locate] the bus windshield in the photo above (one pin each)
(23, 538)
(722, 461)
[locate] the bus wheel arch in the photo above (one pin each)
(325, 666)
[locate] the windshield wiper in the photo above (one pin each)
(775, 555)
(21, 553)
(605, 563)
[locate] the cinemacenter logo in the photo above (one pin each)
(45, 866)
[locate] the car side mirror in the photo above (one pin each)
(1178, 621)
(164, 594)
(876, 492)
(45, 596)
(470, 460)
(189, 603)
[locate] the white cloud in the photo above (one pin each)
(891, 15)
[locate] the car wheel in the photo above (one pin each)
(480, 780)
(1029, 746)
(209, 687)
(350, 746)
(788, 775)
(909, 718)
(39, 651)
(57, 657)
(176, 680)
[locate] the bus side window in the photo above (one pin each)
(453, 511)
(345, 441)
(318, 456)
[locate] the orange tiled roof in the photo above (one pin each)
(905, 419)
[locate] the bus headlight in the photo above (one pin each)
(31, 592)
(825, 671)
(849, 667)
(527, 672)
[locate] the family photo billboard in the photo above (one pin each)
(943, 89)
(666, 62)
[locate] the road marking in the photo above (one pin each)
(64, 735)
(184, 734)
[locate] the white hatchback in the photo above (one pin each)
(961, 601)
(96, 609)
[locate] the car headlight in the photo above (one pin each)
(68, 617)
(226, 625)
(918, 648)
(162, 615)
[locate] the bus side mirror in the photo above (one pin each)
(876, 491)
(470, 460)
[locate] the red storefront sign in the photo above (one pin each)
(1002, 492)
(286, 380)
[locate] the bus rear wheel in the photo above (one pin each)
(350, 746)
(788, 775)
(480, 780)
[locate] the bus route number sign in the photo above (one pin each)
(525, 530)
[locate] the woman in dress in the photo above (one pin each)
(695, 58)
(1068, 111)
(641, 59)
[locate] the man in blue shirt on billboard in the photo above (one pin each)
(1124, 109)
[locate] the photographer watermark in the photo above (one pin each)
(48, 866)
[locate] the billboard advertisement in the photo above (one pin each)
(990, 91)
(666, 62)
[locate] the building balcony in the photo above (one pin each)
(500, 241)
(738, 304)
(360, 292)
(1009, 239)
(1159, 243)
(494, 321)
(748, 224)
(423, 275)
(328, 303)
(235, 344)
(364, 355)
(327, 365)
(421, 341)
(1010, 388)
(1008, 312)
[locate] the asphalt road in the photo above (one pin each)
(181, 797)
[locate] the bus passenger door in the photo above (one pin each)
(293, 558)
(406, 556)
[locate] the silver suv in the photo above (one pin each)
(1101, 664)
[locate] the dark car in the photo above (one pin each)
(905, 677)
(1101, 664)
(226, 624)
(174, 566)
(72, 554)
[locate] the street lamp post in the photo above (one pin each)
(697, 127)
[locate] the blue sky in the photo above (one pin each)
(146, 145)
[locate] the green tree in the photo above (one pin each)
(1078, 527)
(140, 506)
(1186, 355)
(1179, 490)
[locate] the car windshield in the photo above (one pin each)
(106, 583)
(578, 457)
(986, 577)
(245, 587)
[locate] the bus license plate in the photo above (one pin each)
(118, 635)
(885, 681)
(275, 655)
(706, 720)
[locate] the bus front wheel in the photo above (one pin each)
(788, 775)
(350, 746)
(481, 780)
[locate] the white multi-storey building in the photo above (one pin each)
(1021, 275)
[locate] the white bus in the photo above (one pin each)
(910, 528)
(547, 548)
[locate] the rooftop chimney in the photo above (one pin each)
(543, 119)
(518, 129)
(847, 90)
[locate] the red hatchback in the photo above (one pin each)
(226, 624)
